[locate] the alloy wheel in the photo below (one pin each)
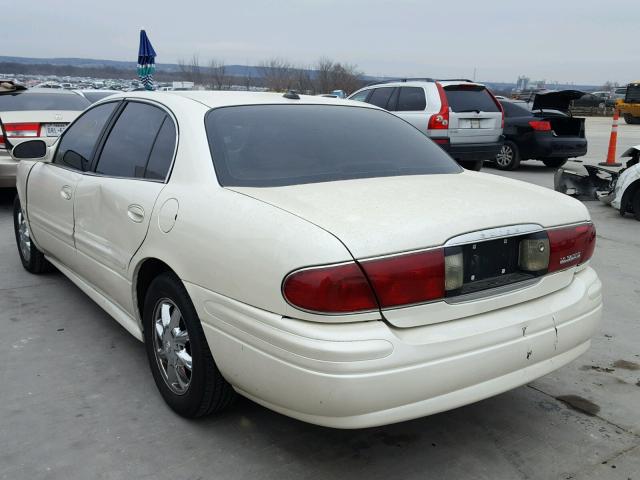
(171, 346)
(24, 237)
(504, 158)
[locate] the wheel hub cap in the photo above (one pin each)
(24, 237)
(172, 346)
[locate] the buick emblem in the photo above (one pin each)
(58, 116)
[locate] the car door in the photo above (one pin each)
(51, 187)
(113, 205)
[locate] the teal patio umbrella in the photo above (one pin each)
(146, 61)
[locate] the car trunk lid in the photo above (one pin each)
(560, 100)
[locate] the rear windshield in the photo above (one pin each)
(513, 110)
(470, 98)
(276, 145)
(95, 96)
(42, 101)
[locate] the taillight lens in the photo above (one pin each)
(22, 129)
(440, 121)
(331, 289)
(540, 125)
(499, 105)
(407, 279)
(571, 246)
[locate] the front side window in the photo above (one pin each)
(277, 145)
(411, 99)
(128, 147)
(78, 141)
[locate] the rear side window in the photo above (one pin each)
(380, 97)
(513, 110)
(127, 149)
(42, 101)
(360, 96)
(162, 151)
(470, 98)
(277, 145)
(411, 99)
(78, 141)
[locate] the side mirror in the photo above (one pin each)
(30, 150)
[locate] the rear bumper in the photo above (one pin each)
(468, 152)
(366, 374)
(8, 169)
(559, 147)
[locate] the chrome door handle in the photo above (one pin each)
(135, 213)
(66, 192)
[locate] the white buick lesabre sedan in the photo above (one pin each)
(319, 256)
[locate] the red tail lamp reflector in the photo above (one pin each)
(571, 246)
(22, 129)
(331, 289)
(407, 279)
(540, 125)
(440, 120)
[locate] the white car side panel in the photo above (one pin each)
(50, 192)
(112, 216)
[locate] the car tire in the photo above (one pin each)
(508, 158)
(32, 259)
(554, 162)
(635, 204)
(476, 166)
(179, 356)
(630, 119)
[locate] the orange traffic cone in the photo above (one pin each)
(613, 141)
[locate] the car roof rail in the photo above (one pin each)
(455, 80)
(411, 79)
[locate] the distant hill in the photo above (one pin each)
(127, 68)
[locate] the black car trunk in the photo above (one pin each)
(567, 126)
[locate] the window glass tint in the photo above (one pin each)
(78, 141)
(411, 99)
(128, 146)
(95, 96)
(162, 151)
(513, 110)
(42, 101)
(380, 97)
(360, 96)
(275, 145)
(470, 98)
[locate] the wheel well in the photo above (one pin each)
(627, 196)
(150, 269)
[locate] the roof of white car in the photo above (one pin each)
(217, 98)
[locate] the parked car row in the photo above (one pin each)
(348, 283)
(474, 126)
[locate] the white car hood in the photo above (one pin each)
(379, 216)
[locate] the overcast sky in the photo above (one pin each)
(581, 41)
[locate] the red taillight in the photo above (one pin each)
(22, 129)
(332, 289)
(407, 279)
(440, 121)
(571, 246)
(3, 145)
(540, 125)
(499, 105)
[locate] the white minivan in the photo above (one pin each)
(461, 116)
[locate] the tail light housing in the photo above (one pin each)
(407, 279)
(499, 105)
(440, 120)
(22, 130)
(540, 125)
(420, 277)
(571, 246)
(334, 289)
